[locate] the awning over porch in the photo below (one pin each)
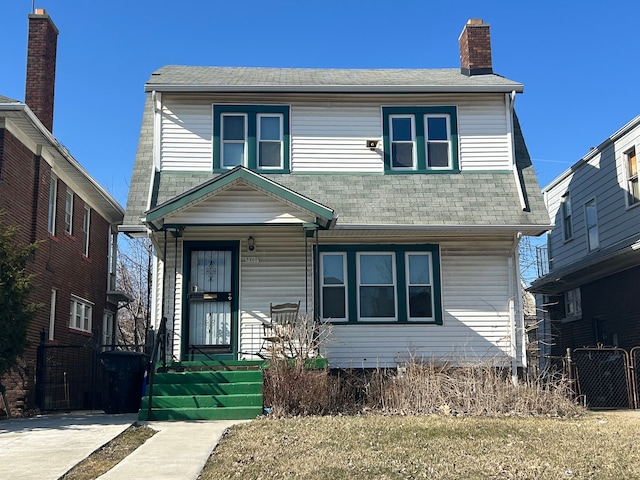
(240, 197)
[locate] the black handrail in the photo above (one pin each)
(159, 344)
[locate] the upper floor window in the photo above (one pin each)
(68, 212)
(86, 222)
(53, 195)
(392, 283)
(633, 188)
(254, 136)
(420, 139)
(591, 224)
(567, 217)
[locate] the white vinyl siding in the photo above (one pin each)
(476, 323)
(331, 137)
(186, 136)
(475, 294)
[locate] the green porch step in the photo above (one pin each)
(237, 388)
(198, 390)
(220, 413)
(203, 401)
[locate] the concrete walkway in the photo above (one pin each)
(178, 451)
(47, 446)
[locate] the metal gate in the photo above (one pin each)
(68, 377)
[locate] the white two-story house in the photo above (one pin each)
(589, 294)
(390, 203)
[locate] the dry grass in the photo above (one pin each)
(435, 447)
(417, 388)
(109, 455)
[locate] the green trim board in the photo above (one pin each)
(236, 174)
(251, 142)
(401, 298)
(418, 114)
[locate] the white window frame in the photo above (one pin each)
(68, 212)
(108, 329)
(80, 314)
(567, 216)
(112, 259)
(52, 314)
(573, 304)
(409, 285)
(394, 284)
(53, 198)
(589, 228)
(632, 179)
(259, 141)
(86, 230)
(244, 142)
(447, 118)
(413, 142)
(344, 285)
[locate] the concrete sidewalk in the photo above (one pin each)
(177, 452)
(47, 446)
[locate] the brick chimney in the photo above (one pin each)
(475, 48)
(41, 66)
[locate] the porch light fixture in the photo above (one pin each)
(251, 244)
(372, 144)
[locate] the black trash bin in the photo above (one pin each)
(123, 377)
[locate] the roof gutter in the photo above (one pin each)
(172, 88)
(488, 228)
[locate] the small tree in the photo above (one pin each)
(16, 311)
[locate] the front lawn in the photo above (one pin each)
(599, 446)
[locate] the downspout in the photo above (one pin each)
(512, 305)
(511, 101)
(306, 273)
(164, 293)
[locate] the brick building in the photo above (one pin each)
(52, 199)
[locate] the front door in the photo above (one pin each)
(211, 302)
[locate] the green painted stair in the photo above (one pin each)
(199, 390)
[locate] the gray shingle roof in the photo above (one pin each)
(4, 99)
(189, 78)
(443, 199)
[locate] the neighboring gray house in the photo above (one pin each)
(389, 202)
(589, 294)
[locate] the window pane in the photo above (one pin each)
(376, 269)
(270, 128)
(420, 302)
(332, 270)
(632, 164)
(233, 127)
(377, 302)
(333, 302)
(402, 155)
(437, 128)
(269, 154)
(419, 270)
(438, 154)
(401, 128)
(233, 154)
(591, 215)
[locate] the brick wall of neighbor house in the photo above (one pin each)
(615, 302)
(59, 261)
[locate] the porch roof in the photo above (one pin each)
(155, 217)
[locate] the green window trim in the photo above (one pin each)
(252, 113)
(419, 116)
(401, 282)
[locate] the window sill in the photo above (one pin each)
(382, 322)
(422, 171)
(80, 332)
(574, 318)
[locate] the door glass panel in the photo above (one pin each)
(210, 304)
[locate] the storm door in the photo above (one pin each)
(211, 301)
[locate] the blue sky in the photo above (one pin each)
(577, 60)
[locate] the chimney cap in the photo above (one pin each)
(475, 21)
(40, 11)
